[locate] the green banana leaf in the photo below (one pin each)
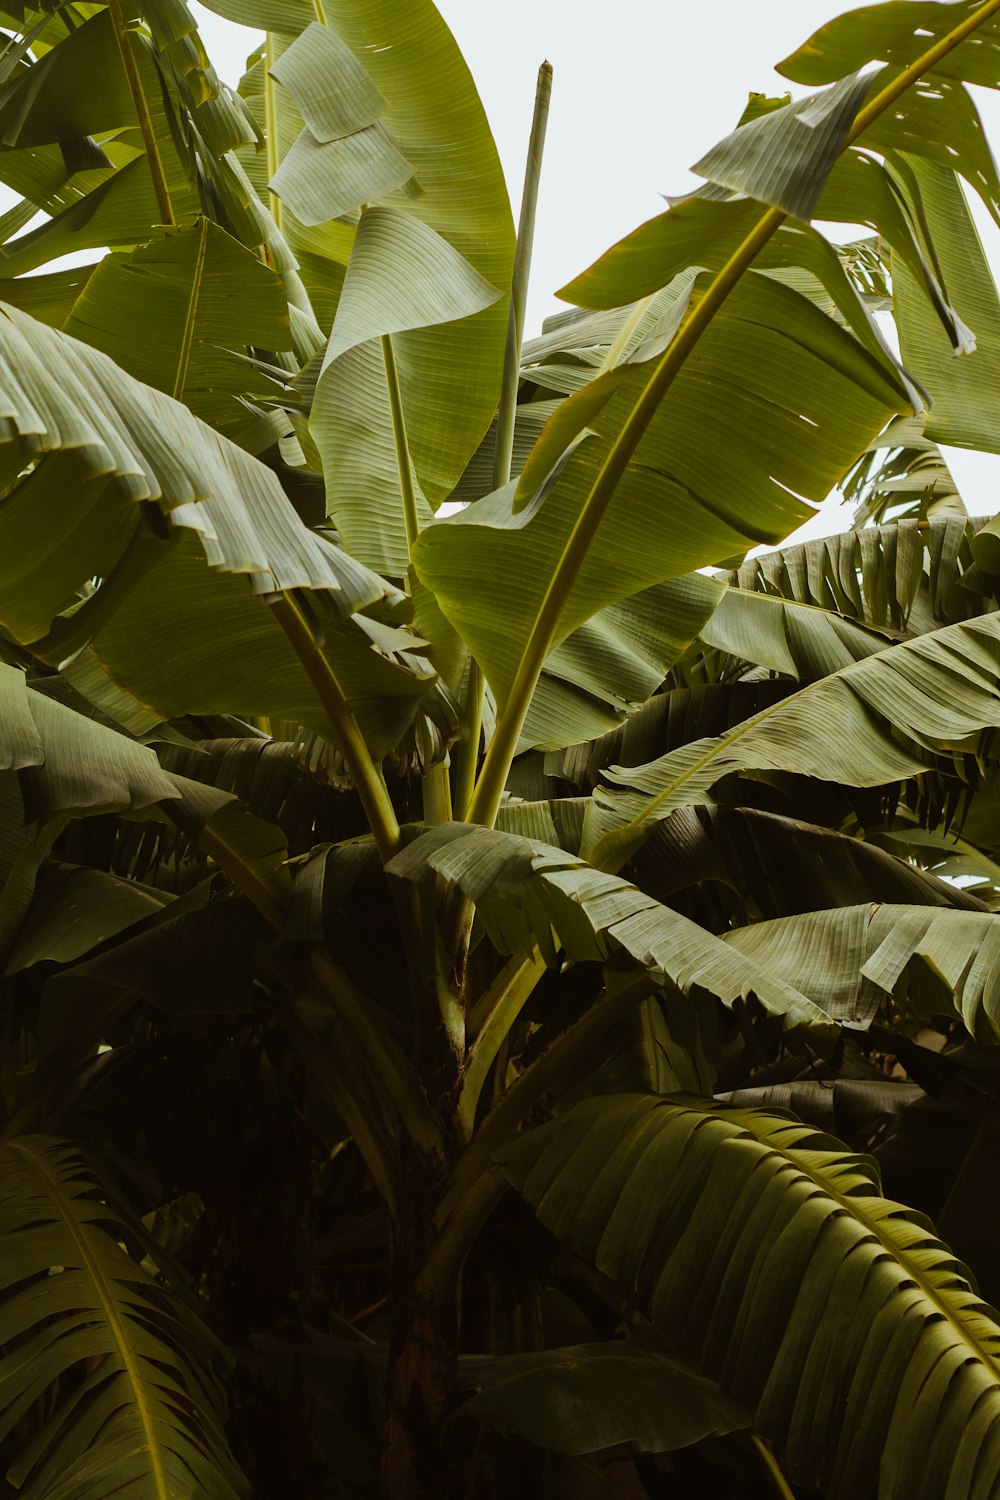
(614, 662)
(898, 31)
(766, 1250)
(68, 763)
(965, 411)
(873, 722)
(147, 1421)
(798, 399)
(432, 128)
(74, 909)
(223, 531)
(784, 157)
(200, 298)
(778, 866)
(852, 958)
(634, 1392)
(903, 578)
(801, 640)
(525, 892)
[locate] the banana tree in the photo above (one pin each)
(477, 978)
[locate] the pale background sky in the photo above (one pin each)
(642, 88)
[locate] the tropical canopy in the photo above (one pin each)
(498, 985)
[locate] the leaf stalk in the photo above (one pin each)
(518, 981)
(368, 781)
(485, 802)
(561, 1057)
(467, 754)
(271, 127)
(403, 460)
(164, 205)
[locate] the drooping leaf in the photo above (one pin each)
(69, 763)
(50, 298)
(332, 90)
(524, 891)
(783, 157)
(199, 298)
(449, 373)
(768, 1252)
(798, 639)
(875, 721)
(102, 466)
(616, 661)
(402, 276)
(902, 577)
(592, 1396)
(195, 961)
(851, 958)
(144, 1416)
(290, 16)
(777, 866)
(903, 477)
(965, 411)
(74, 909)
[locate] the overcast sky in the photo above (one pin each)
(642, 88)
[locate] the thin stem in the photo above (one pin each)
(493, 777)
(264, 894)
(562, 1056)
(458, 1231)
(507, 411)
(191, 314)
(489, 790)
(391, 1067)
(436, 783)
(146, 128)
(368, 781)
(770, 1464)
(403, 460)
(518, 980)
(467, 754)
(271, 127)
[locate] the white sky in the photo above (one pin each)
(640, 91)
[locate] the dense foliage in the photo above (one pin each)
(498, 1000)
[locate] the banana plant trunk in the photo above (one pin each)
(423, 1350)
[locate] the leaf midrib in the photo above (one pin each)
(114, 1320)
(187, 336)
(852, 1207)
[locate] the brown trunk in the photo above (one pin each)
(423, 1359)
